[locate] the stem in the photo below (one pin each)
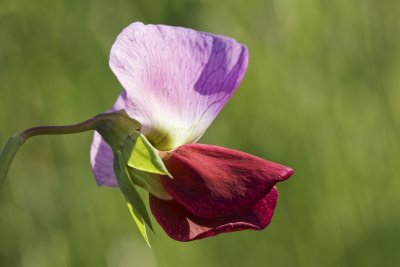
(66, 129)
(16, 141)
(7, 155)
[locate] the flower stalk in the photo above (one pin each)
(8, 153)
(101, 123)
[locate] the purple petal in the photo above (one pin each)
(181, 225)
(212, 181)
(176, 79)
(101, 155)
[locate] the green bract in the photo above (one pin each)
(143, 162)
(135, 203)
(145, 157)
(136, 162)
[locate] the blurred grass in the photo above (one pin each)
(321, 95)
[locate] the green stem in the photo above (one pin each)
(15, 142)
(8, 154)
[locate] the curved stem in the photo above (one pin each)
(16, 141)
(66, 129)
(8, 154)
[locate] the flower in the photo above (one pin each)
(175, 81)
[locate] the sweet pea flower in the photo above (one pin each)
(176, 81)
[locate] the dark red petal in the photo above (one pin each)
(181, 225)
(211, 181)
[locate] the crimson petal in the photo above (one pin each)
(181, 225)
(212, 181)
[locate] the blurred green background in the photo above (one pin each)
(321, 95)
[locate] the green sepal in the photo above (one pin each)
(148, 181)
(118, 129)
(134, 146)
(145, 157)
(139, 223)
(122, 133)
(144, 163)
(134, 201)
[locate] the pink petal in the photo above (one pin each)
(211, 181)
(101, 155)
(181, 225)
(177, 79)
(101, 159)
